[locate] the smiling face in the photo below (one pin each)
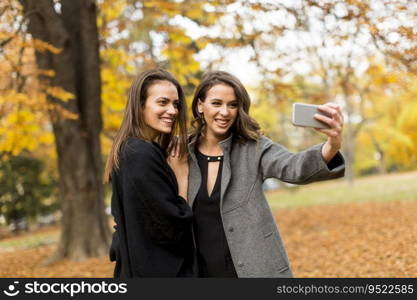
(161, 108)
(220, 109)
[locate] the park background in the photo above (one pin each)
(66, 65)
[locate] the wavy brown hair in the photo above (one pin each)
(244, 128)
(133, 124)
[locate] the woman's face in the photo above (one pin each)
(220, 109)
(161, 107)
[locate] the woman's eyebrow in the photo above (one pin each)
(168, 99)
(219, 99)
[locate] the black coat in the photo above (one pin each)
(153, 235)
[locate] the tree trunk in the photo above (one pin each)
(349, 144)
(381, 153)
(85, 231)
(349, 151)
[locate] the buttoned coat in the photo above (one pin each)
(254, 240)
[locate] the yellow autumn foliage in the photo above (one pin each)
(42, 46)
(59, 93)
(19, 131)
(407, 123)
(390, 113)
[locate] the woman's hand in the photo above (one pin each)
(180, 167)
(334, 133)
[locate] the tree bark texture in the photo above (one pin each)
(349, 144)
(72, 28)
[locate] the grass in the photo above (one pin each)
(392, 187)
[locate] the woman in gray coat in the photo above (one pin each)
(229, 159)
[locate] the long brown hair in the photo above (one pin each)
(133, 124)
(245, 128)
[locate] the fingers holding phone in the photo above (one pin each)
(326, 118)
(334, 115)
(334, 120)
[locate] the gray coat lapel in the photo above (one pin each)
(226, 172)
(194, 174)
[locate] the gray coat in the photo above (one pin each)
(254, 241)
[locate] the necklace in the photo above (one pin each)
(211, 158)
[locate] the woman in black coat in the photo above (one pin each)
(153, 236)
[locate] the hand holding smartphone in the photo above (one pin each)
(303, 115)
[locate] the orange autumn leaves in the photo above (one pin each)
(372, 239)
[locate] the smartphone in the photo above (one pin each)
(303, 115)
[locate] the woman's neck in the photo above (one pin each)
(151, 134)
(210, 145)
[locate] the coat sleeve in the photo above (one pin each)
(298, 168)
(150, 194)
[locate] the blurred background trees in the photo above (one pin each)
(27, 192)
(63, 85)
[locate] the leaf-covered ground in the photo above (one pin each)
(372, 239)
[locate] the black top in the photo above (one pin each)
(213, 253)
(153, 235)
